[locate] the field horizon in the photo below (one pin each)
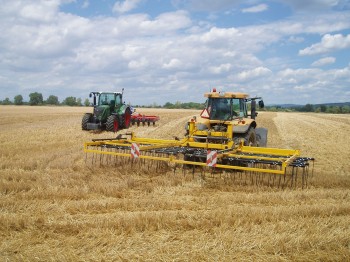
(55, 206)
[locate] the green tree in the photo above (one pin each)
(177, 104)
(6, 101)
(86, 102)
(70, 101)
(169, 105)
(346, 109)
(35, 99)
(336, 109)
(79, 102)
(323, 108)
(52, 100)
(308, 108)
(333, 109)
(18, 100)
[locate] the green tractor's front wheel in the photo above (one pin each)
(86, 119)
(113, 123)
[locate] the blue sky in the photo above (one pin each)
(287, 51)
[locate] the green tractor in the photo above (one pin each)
(110, 112)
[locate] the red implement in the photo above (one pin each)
(138, 118)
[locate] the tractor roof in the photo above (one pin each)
(215, 94)
(110, 93)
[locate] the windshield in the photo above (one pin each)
(106, 99)
(226, 108)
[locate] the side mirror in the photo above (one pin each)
(90, 95)
(261, 104)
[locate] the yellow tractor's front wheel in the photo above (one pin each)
(249, 137)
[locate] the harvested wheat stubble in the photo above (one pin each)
(53, 207)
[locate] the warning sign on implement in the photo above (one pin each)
(135, 150)
(212, 158)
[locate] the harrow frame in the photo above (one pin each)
(283, 157)
(189, 152)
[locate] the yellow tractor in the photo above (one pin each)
(225, 120)
(224, 138)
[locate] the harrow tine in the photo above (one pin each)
(296, 177)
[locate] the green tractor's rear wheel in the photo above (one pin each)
(113, 123)
(86, 119)
(127, 118)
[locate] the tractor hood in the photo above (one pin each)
(101, 112)
(240, 125)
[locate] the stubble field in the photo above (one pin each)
(55, 208)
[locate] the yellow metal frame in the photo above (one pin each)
(281, 156)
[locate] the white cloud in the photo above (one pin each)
(32, 11)
(313, 5)
(138, 64)
(253, 73)
(255, 9)
(173, 64)
(296, 39)
(221, 34)
(167, 22)
(223, 68)
(324, 61)
(125, 6)
(329, 43)
(297, 5)
(206, 5)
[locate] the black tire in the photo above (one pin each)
(249, 138)
(261, 136)
(113, 123)
(86, 119)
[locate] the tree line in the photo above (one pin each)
(36, 99)
(341, 108)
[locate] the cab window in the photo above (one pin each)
(105, 99)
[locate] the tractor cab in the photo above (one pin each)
(109, 99)
(228, 106)
(106, 99)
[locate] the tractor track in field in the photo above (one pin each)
(167, 127)
(321, 136)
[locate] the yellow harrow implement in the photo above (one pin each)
(239, 163)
